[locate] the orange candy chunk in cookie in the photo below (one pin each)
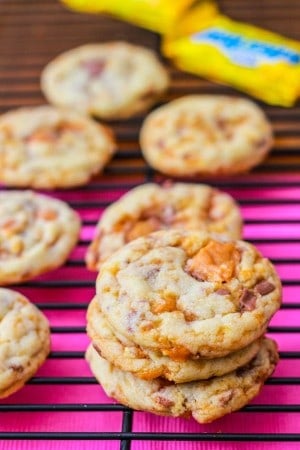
(143, 227)
(215, 262)
(177, 353)
(166, 304)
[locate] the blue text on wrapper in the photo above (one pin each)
(245, 51)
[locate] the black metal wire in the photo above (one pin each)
(90, 204)
(85, 243)
(262, 221)
(75, 355)
(90, 380)
(83, 306)
(199, 437)
(271, 329)
(125, 444)
(77, 407)
(283, 260)
(91, 284)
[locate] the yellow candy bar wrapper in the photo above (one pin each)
(155, 15)
(261, 63)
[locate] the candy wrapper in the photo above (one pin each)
(261, 63)
(155, 15)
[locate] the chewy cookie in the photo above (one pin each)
(205, 401)
(148, 364)
(184, 293)
(206, 134)
(109, 80)
(24, 341)
(37, 233)
(151, 207)
(46, 147)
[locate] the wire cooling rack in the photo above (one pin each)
(63, 406)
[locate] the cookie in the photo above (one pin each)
(113, 80)
(37, 233)
(151, 207)
(184, 293)
(24, 341)
(148, 364)
(45, 147)
(206, 134)
(205, 401)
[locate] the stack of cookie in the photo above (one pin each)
(177, 324)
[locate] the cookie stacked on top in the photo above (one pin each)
(177, 324)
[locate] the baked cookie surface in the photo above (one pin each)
(37, 233)
(206, 134)
(45, 147)
(184, 293)
(148, 364)
(109, 80)
(151, 207)
(205, 401)
(24, 341)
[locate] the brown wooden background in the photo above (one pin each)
(32, 32)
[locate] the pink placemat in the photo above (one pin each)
(65, 381)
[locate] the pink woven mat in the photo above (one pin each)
(272, 223)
